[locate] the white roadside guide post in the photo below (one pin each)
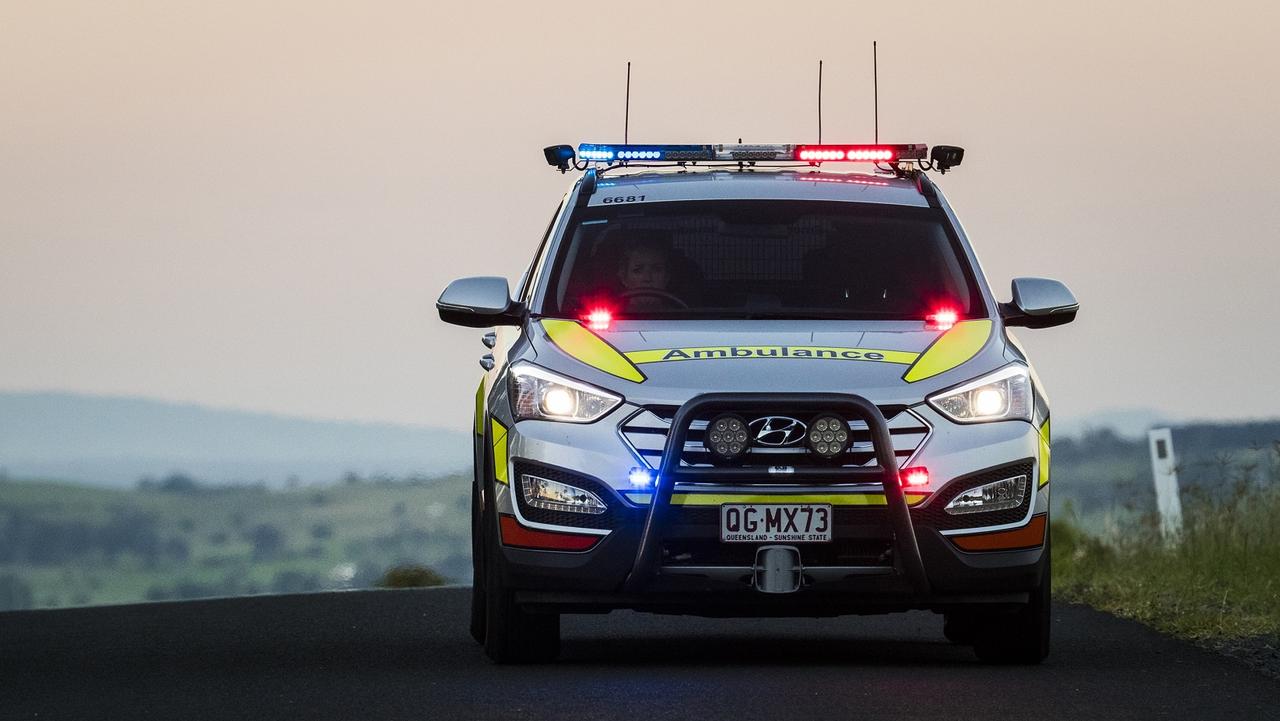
(1164, 468)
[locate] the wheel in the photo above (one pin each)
(1021, 637)
(961, 627)
(511, 634)
(477, 567)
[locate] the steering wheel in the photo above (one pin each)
(653, 293)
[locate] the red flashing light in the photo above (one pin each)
(599, 319)
(856, 153)
(913, 477)
(942, 319)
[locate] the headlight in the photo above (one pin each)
(1000, 396)
(539, 394)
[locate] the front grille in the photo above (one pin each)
(647, 430)
(615, 512)
(932, 513)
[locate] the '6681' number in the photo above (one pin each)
(622, 199)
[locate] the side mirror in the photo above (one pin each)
(479, 303)
(1039, 303)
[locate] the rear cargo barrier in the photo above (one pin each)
(777, 569)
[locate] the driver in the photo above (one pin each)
(644, 273)
(643, 267)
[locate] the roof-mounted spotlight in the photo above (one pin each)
(559, 156)
(946, 157)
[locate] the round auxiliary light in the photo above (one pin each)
(727, 437)
(828, 436)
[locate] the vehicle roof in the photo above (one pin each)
(758, 184)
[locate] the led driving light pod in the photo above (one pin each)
(556, 496)
(1000, 396)
(727, 437)
(998, 496)
(828, 436)
(538, 394)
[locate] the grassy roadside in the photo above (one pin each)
(68, 545)
(1220, 585)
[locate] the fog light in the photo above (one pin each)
(726, 436)
(556, 496)
(997, 496)
(828, 435)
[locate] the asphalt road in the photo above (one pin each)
(406, 655)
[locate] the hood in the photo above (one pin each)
(667, 362)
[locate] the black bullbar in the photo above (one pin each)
(645, 567)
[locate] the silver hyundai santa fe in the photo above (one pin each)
(735, 383)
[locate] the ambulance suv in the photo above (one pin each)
(735, 383)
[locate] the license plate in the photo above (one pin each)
(775, 522)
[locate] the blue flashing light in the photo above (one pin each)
(641, 478)
(670, 153)
(598, 153)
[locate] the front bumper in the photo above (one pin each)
(629, 566)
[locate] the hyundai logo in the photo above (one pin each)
(778, 431)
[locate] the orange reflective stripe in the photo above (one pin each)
(1029, 536)
(514, 534)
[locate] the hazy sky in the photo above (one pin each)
(256, 204)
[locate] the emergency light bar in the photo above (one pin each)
(597, 153)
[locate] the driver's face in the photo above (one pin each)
(644, 268)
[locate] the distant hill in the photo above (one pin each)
(114, 441)
(1125, 422)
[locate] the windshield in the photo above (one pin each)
(760, 259)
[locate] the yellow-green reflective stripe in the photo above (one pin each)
(1044, 452)
(770, 352)
(589, 348)
(716, 499)
(480, 409)
(957, 345)
(499, 451)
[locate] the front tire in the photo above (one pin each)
(511, 634)
(477, 567)
(1021, 637)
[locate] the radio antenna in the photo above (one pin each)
(819, 102)
(875, 89)
(626, 114)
